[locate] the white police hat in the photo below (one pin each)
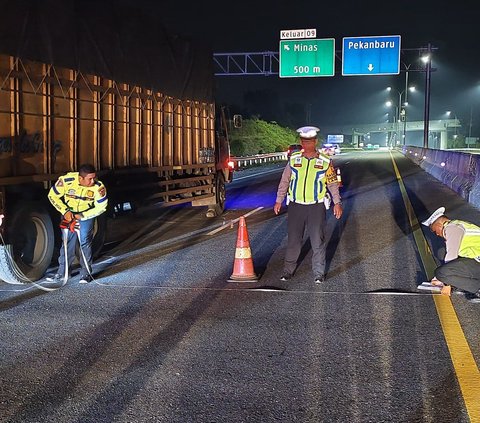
(434, 216)
(308, 132)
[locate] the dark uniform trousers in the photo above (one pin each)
(312, 217)
(464, 273)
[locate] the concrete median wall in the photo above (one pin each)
(459, 171)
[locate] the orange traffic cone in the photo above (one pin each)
(243, 264)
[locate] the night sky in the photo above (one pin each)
(254, 26)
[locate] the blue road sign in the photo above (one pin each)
(371, 55)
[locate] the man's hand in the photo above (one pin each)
(277, 207)
(68, 216)
(436, 282)
(337, 210)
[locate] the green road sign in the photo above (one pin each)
(301, 58)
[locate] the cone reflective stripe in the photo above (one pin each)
(243, 264)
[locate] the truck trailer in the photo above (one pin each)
(77, 87)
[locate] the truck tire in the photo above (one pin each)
(220, 197)
(30, 246)
(220, 194)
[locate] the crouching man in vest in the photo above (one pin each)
(462, 260)
(79, 198)
(304, 182)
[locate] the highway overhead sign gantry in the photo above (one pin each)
(379, 55)
(307, 58)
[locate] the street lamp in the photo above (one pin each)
(401, 113)
(449, 113)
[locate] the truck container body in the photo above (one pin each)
(147, 146)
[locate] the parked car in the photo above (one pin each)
(330, 149)
(292, 148)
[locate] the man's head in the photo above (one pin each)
(436, 221)
(308, 137)
(87, 175)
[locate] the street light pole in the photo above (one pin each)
(426, 113)
(401, 111)
(404, 135)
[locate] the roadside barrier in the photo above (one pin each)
(258, 159)
(474, 196)
(459, 171)
(243, 264)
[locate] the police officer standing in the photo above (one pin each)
(304, 182)
(79, 198)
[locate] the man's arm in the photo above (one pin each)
(55, 196)
(334, 189)
(453, 238)
(282, 188)
(100, 203)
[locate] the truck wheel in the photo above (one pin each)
(220, 194)
(220, 197)
(31, 240)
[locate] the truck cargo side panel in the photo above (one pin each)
(146, 131)
(134, 132)
(86, 139)
(120, 140)
(107, 113)
(168, 129)
(177, 135)
(7, 119)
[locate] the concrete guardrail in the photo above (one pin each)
(459, 171)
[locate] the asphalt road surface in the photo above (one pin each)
(161, 336)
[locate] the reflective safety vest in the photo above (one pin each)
(470, 244)
(68, 195)
(309, 178)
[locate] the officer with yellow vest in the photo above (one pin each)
(304, 182)
(79, 197)
(462, 260)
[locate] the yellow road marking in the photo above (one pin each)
(463, 361)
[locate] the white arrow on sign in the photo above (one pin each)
(286, 47)
(370, 67)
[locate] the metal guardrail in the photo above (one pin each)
(258, 159)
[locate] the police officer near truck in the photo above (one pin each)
(305, 180)
(80, 198)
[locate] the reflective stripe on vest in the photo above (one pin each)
(307, 182)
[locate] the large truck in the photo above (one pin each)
(77, 87)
